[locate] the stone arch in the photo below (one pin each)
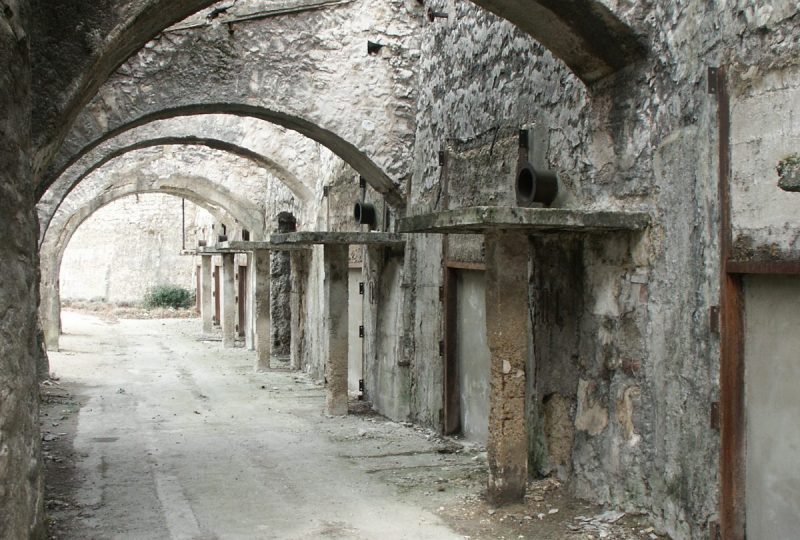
(585, 34)
(348, 152)
(203, 193)
(52, 199)
(304, 74)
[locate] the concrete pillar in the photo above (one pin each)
(50, 314)
(297, 295)
(336, 319)
(249, 307)
(507, 314)
(228, 301)
(206, 296)
(261, 292)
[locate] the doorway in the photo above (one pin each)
(355, 342)
(468, 360)
(772, 406)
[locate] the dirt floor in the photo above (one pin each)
(150, 432)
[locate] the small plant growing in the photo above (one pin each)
(168, 296)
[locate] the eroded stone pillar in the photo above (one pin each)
(261, 293)
(206, 295)
(50, 314)
(336, 319)
(228, 301)
(298, 262)
(249, 305)
(507, 314)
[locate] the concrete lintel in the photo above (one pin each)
(242, 246)
(533, 221)
(310, 238)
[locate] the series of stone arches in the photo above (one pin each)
(211, 196)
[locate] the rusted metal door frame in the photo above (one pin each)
(451, 391)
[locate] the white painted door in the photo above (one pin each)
(472, 355)
(772, 407)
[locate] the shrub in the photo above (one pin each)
(168, 296)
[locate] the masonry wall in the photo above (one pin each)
(21, 481)
(127, 247)
(626, 375)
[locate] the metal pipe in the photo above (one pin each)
(364, 214)
(534, 186)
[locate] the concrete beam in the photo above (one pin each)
(336, 319)
(507, 315)
(261, 310)
(228, 301)
(206, 296)
(309, 238)
(480, 219)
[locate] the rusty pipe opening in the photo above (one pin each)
(536, 186)
(365, 214)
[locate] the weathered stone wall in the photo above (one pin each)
(765, 149)
(21, 481)
(126, 248)
(631, 377)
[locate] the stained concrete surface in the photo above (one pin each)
(151, 433)
(177, 438)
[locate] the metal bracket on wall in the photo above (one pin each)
(361, 288)
(714, 416)
(713, 319)
(361, 331)
(713, 80)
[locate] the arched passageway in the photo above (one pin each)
(49, 204)
(213, 197)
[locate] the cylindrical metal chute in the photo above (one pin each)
(536, 186)
(365, 214)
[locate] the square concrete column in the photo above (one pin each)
(228, 301)
(206, 296)
(507, 315)
(336, 319)
(249, 306)
(261, 316)
(298, 268)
